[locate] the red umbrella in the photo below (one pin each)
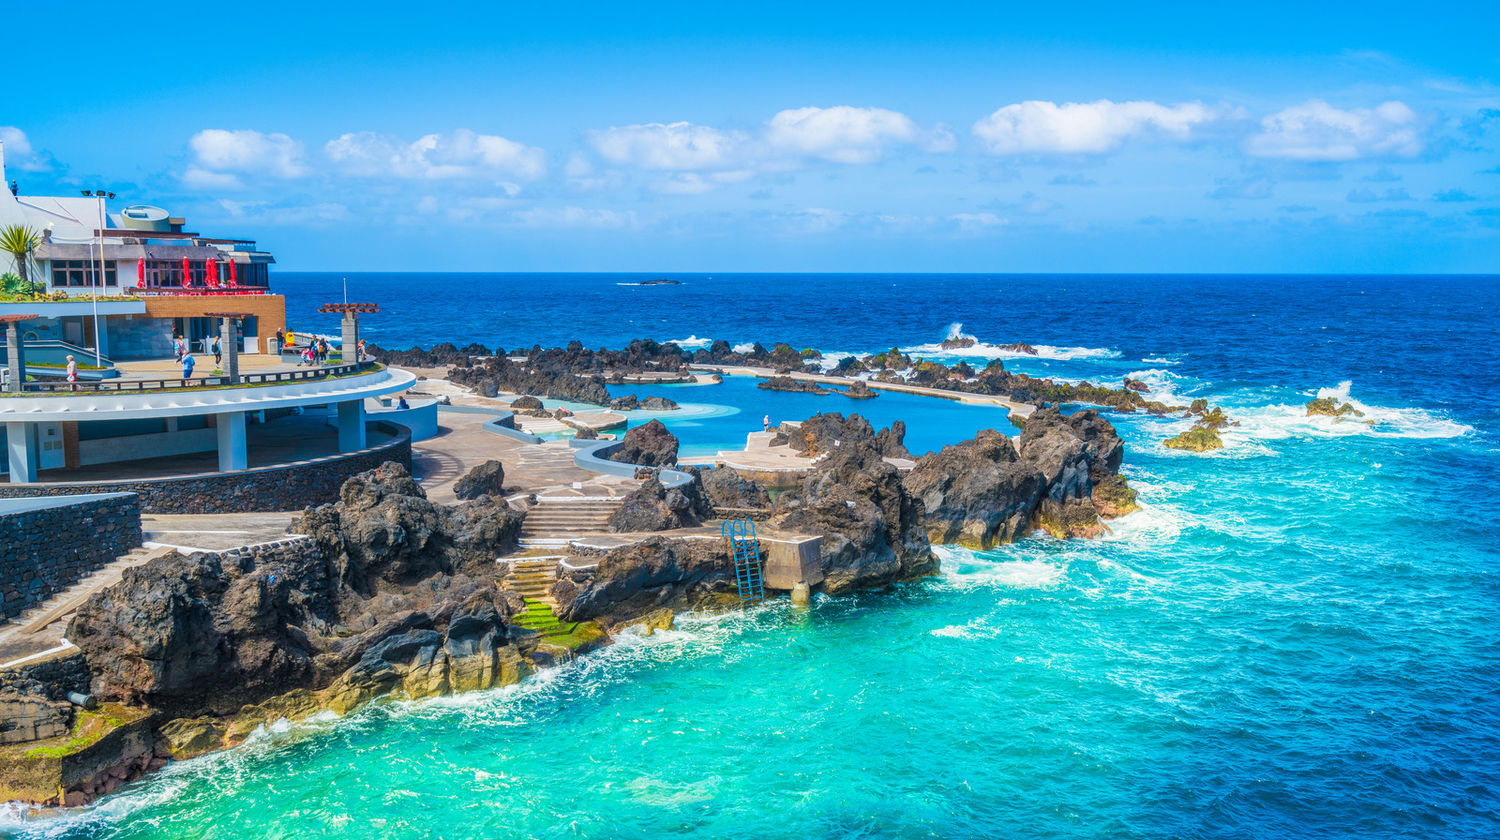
(187, 274)
(233, 283)
(211, 273)
(140, 271)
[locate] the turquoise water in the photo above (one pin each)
(1298, 637)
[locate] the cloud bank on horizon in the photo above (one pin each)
(1397, 173)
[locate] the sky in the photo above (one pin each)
(675, 137)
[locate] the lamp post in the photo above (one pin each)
(98, 269)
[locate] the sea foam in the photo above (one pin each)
(983, 350)
(1276, 422)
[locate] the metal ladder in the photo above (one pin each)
(745, 550)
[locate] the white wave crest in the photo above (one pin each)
(1163, 385)
(744, 347)
(692, 342)
(1278, 422)
(983, 350)
(969, 568)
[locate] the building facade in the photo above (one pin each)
(155, 279)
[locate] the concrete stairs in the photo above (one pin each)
(532, 577)
(555, 521)
(40, 629)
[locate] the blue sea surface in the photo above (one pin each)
(1296, 637)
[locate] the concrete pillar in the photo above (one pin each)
(233, 454)
(20, 443)
(101, 339)
(229, 345)
(16, 356)
(351, 337)
(351, 426)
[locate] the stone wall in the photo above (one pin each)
(283, 487)
(46, 550)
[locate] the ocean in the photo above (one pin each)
(1296, 637)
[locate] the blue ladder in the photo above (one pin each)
(745, 549)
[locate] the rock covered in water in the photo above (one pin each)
(487, 479)
(1196, 439)
(860, 390)
(1329, 407)
(658, 404)
(649, 445)
(1136, 385)
(958, 342)
(977, 493)
(1019, 347)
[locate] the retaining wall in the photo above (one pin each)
(48, 544)
(290, 486)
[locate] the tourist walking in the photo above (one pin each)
(178, 347)
(359, 351)
(218, 353)
(765, 423)
(322, 351)
(72, 374)
(187, 367)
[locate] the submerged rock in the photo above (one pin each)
(1329, 407)
(860, 390)
(1196, 439)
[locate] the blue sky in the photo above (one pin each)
(775, 136)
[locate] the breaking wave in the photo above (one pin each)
(984, 350)
(1277, 422)
(692, 342)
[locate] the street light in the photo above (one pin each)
(98, 269)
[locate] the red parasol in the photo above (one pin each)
(233, 282)
(211, 273)
(140, 271)
(187, 273)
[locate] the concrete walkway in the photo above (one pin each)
(842, 382)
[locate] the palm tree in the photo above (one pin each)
(19, 241)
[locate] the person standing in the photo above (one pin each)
(72, 374)
(765, 423)
(280, 340)
(359, 351)
(218, 353)
(187, 367)
(177, 348)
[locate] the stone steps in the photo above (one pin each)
(553, 520)
(67, 602)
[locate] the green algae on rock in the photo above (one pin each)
(1196, 439)
(1329, 407)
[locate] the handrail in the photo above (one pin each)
(177, 383)
(594, 457)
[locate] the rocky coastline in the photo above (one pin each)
(390, 595)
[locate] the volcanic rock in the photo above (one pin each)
(977, 493)
(525, 403)
(487, 479)
(649, 445)
(652, 507)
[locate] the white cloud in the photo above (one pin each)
(199, 178)
(19, 153)
(459, 154)
(576, 217)
(247, 152)
(1086, 127)
(1317, 131)
(675, 146)
(845, 134)
(978, 221)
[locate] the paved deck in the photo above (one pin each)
(546, 469)
(214, 531)
(900, 387)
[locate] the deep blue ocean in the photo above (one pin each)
(1296, 637)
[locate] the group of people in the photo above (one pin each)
(315, 353)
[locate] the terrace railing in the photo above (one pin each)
(131, 386)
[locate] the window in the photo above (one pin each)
(81, 274)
